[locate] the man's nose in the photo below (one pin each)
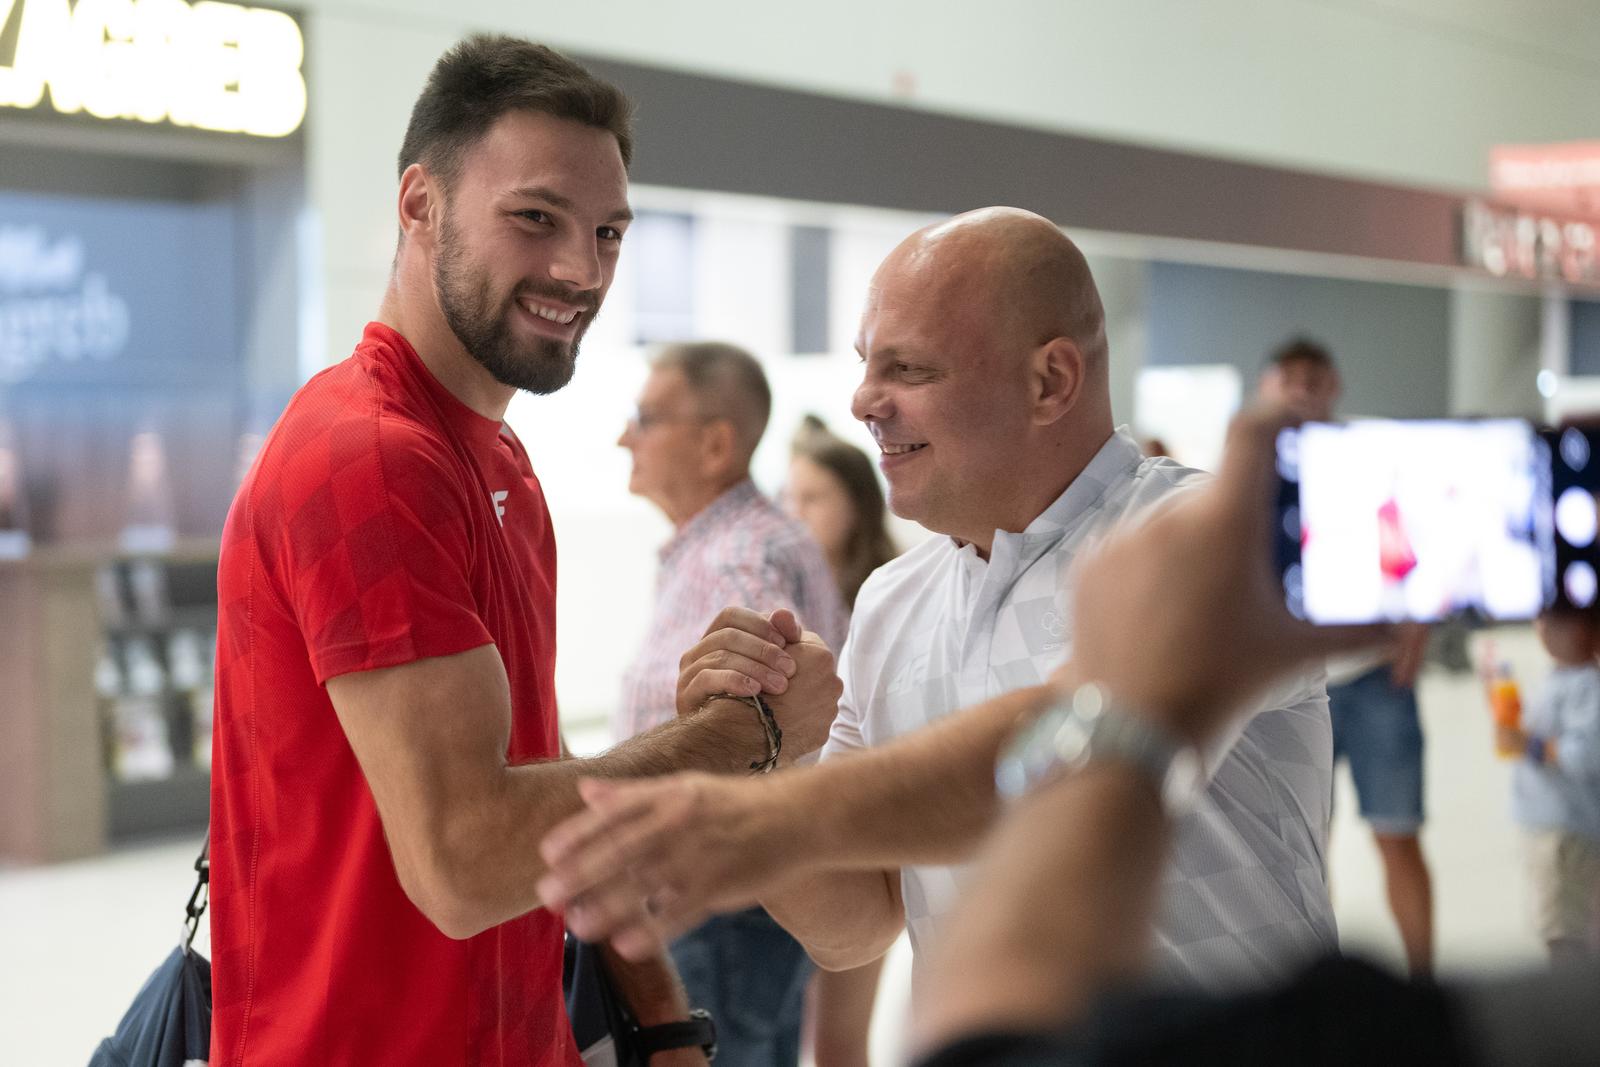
(577, 263)
(870, 401)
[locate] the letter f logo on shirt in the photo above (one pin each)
(499, 498)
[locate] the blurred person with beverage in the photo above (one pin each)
(1372, 698)
(833, 489)
(1555, 786)
(701, 414)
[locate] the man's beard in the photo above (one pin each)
(540, 365)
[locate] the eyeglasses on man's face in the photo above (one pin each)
(642, 421)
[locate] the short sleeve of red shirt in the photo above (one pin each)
(374, 553)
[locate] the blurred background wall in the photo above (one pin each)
(1238, 171)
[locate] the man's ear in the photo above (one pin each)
(1058, 370)
(719, 442)
(421, 205)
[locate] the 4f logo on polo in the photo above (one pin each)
(499, 499)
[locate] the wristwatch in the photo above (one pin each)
(698, 1029)
(1086, 726)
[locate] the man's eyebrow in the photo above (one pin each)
(545, 193)
(555, 199)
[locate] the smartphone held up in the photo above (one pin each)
(1420, 520)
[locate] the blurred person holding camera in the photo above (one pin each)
(1168, 655)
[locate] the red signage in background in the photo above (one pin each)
(1508, 242)
(1560, 178)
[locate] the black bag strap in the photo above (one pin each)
(201, 895)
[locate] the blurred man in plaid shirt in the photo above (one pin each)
(700, 417)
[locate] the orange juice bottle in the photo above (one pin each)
(1505, 702)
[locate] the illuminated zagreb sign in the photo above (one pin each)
(210, 66)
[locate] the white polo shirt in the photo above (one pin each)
(1244, 897)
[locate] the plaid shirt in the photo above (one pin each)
(740, 550)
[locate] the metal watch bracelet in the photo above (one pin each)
(1086, 727)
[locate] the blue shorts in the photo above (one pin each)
(1376, 728)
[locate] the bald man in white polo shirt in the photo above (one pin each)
(985, 383)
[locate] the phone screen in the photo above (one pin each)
(1393, 520)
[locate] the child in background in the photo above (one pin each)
(1555, 794)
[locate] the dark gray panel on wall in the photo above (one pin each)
(697, 132)
(1585, 326)
(1392, 342)
(809, 257)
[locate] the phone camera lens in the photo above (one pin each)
(1581, 584)
(1575, 449)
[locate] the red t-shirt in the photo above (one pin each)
(384, 522)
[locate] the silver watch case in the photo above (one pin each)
(1086, 727)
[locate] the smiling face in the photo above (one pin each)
(944, 391)
(528, 244)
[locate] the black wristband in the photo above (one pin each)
(698, 1030)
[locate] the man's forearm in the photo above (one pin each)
(926, 798)
(717, 843)
(851, 823)
(493, 859)
(843, 918)
(723, 737)
(650, 988)
(1096, 839)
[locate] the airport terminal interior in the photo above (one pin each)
(198, 215)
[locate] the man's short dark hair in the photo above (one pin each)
(486, 75)
(728, 380)
(1300, 350)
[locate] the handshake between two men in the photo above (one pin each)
(1181, 647)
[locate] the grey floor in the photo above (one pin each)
(77, 939)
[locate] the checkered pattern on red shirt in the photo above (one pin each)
(383, 523)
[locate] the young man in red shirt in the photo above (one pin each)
(387, 755)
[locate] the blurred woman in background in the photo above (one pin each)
(834, 490)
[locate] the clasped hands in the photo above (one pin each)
(650, 859)
(745, 653)
(1184, 645)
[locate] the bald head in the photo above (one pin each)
(985, 377)
(1014, 267)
